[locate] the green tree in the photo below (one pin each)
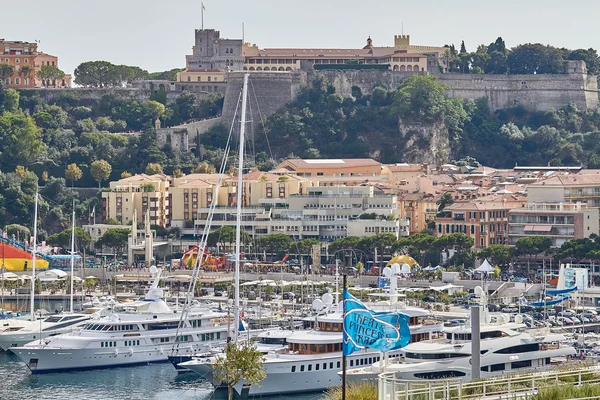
(26, 72)
(535, 59)
(115, 238)
(73, 173)
(498, 254)
(63, 239)
(11, 100)
(204, 168)
(20, 140)
(49, 74)
(17, 231)
(240, 361)
(153, 169)
(444, 201)
(125, 174)
(6, 71)
(275, 243)
(186, 105)
(224, 237)
(100, 170)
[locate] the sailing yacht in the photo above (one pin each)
(143, 335)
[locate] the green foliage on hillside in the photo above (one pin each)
(528, 58)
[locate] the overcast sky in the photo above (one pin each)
(156, 35)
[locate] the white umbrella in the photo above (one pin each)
(25, 277)
(93, 277)
(77, 279)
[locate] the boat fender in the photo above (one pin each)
(116, 352)
(162, 352)
(130, 352)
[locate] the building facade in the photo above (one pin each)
(19, 54)
(326, 214)
(559, 221)
(25, 54)
(138, 194)
(212, 57)
(486, 223)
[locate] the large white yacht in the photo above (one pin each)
(145, 333)
(504, 347)
(313, 357)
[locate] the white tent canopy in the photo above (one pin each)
(52, 275)
(485, 267)
(9, 276)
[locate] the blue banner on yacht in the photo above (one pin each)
(382, 331)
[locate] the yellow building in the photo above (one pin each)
(332, 172)
(47, 59)
(205, 76)
(142, 193)
(418, 208)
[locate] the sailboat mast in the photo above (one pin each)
(35, 217)
(238, 224)
(72, 253)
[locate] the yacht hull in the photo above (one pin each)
(59, 360)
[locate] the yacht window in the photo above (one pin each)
(435, 356)
(338, 364)
(520, 364)
(522, 348)
(52, 319)
(293, 368)
(330, 365)
(497, 367)
(310, 367)
(317, 367)
(439, 374)
(324, 365)
(352, 363)
(302, 368)
(313, 348)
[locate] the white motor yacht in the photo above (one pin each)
(145, 332)
(505, 347)
(21, 332)
(313, 357)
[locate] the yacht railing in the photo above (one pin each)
(508, 387)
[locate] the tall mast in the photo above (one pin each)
(72, 253)
(238, 224)
(35, 215)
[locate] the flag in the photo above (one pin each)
(382, 331)
(93, 211)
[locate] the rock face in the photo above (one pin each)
(428, 143)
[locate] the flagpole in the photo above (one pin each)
(202, 14)
(344, 276)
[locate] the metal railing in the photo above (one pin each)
(508, 387)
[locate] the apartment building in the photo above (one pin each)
(195, 192)
(324, 213)
(19, 54)
(485, 222)
(559, 221)
(142, 193)
(418, 209)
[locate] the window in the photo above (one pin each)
(520, 364)
(302, 368)
(293, 368)
(316, 367)
(338, 364)
(497, 367)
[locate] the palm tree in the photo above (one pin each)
(25, 72)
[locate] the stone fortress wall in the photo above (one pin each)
(536, 92)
